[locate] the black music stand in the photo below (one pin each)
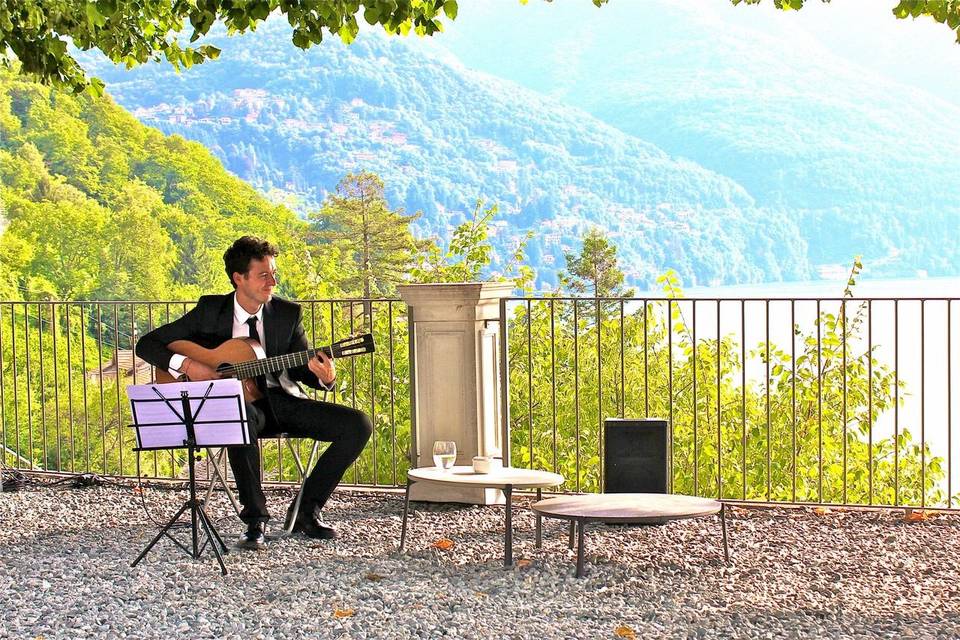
(161, 424)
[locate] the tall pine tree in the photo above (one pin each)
(375, 241)
(596, 269)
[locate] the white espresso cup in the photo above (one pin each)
(486, 464)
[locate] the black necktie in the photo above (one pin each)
(252, 323)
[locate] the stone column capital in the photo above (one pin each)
(456, 301)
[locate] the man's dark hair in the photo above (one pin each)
(237, 258)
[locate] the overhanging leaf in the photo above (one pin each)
(450, 9)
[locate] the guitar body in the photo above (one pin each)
(233, 351)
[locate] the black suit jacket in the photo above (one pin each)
(210, 324)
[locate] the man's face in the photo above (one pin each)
(255, 287)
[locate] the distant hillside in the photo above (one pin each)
(292, 123)
(95, 205)
(863, 161)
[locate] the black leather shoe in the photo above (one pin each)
(311, 527)
(252, 539)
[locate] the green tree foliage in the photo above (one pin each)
(468, 256)
(375, 244)
(98, 206)
(58, 411)
(131, 32)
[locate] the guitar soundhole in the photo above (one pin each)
(223, 368)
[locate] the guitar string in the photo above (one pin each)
(253, 368)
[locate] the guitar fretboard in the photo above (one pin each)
(254, 368)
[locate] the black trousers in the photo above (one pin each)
(346, 429)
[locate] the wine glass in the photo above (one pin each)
(444, 454)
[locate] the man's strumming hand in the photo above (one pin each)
(322, 367)
(195, 370)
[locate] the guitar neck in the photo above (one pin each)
(254, 368)
(353, 346)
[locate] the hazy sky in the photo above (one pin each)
(919, 52)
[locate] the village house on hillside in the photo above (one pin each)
(123, 361)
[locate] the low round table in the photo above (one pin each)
(506, 479)
(628, 508)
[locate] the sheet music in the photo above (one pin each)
(221, 421)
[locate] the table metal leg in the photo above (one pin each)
(580, 527)
(508, 535)
(573, 524)
(723, 526)
(406, 508)
(539, 521)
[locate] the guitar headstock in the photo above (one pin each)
(353, 346)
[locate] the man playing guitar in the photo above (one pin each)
(252, 311)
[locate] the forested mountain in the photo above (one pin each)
(731, 151)
(95, 205)
(441, 137)
(818, 115)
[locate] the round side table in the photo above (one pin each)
(628, 508)
(507, 479)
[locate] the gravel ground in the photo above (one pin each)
(65, 572)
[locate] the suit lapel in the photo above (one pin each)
(225, 319)
(269, 329)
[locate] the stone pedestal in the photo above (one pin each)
(455, 378)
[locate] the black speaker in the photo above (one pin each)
(635, 458)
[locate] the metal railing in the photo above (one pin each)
(803, 400)
(64, 367)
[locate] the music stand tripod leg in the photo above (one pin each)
(212, 530)
(214, 538)
(194, 503)
(162, 533)
(199, 518)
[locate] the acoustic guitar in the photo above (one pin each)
(245, 359)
